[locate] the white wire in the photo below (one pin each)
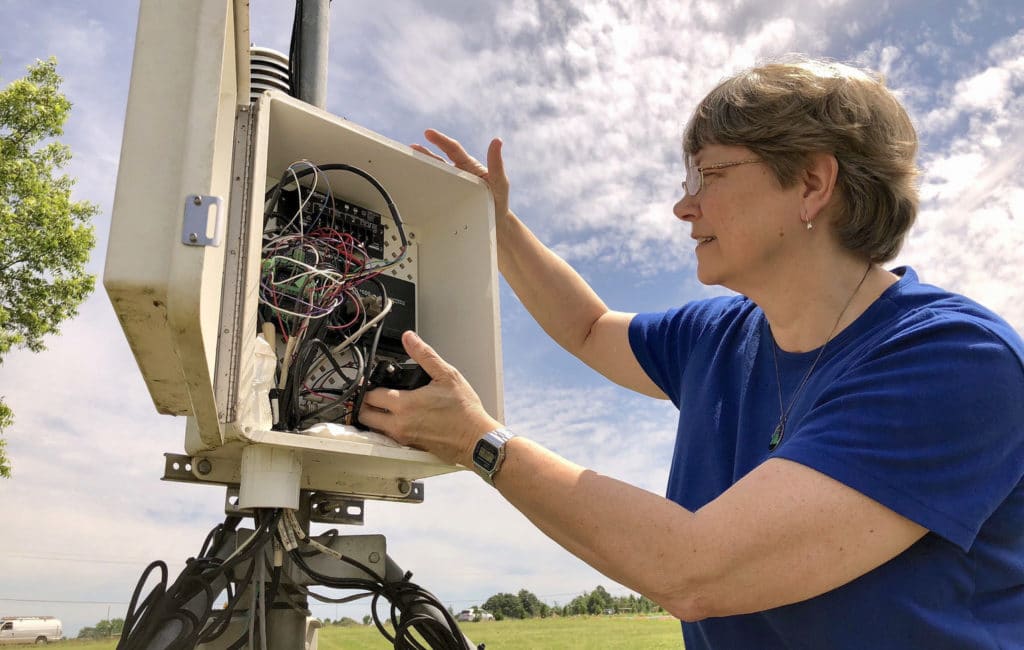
(263, 605)
(298, 190)
(297, 530)
(245, 545)
(310, 270)
(317, 175)
(362, 330)
(311, 273)
(283, 593)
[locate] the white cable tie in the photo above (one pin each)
(290, 515)
(326, 550)
(294, 532)
(296, 528)
(278, 552)
(285, 534)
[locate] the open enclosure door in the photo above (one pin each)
(165, 258)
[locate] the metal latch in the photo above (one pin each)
(196, 224)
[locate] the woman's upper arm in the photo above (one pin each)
(607, 350)
(785, 533)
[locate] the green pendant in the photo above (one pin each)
(776, 438)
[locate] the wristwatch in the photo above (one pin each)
(489, 453)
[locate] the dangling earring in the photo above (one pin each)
(810, 225)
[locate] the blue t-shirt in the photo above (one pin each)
(919, 404)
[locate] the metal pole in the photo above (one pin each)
(289, 629)
(314, 28)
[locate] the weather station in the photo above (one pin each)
(264, 258)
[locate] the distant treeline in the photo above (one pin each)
(599, 601)
(102, 630)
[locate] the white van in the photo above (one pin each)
(30, 629)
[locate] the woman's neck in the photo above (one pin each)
(807, 308)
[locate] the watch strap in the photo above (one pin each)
(489, 453)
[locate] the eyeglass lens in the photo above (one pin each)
(693, 180)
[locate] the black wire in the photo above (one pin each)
(342, 395)
(371, 358)
(289, 176)
(289, 399)
(289, 417)
(203, 577)
(133, 615)
(405, 598)
(222, 620)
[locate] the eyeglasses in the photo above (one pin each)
(694, 181)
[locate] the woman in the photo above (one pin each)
(850, 448)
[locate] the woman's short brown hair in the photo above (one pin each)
(785, 111)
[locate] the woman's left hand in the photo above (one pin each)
(445, 417)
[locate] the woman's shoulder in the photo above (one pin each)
(930, 316)
(715, 313)
(925, 306)
(715, 307)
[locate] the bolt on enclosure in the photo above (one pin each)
(184, 259)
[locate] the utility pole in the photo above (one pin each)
(311, 67)
(289, 629)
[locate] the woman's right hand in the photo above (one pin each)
(493, 174)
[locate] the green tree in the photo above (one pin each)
(505, 606)
(576, 606)
(87, 633)
(102, 630)
(532, 605)
(45, 237)
(590, 602)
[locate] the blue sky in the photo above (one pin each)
(590, 99)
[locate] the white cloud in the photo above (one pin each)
(591, 103)
(988, 90)
(594, 100)
(970, 233)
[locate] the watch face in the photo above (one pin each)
(485, 455)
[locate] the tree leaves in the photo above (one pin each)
(598, 601)
(45, 237)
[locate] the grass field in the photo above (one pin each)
(573, 633)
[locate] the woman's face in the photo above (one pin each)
(745, 225)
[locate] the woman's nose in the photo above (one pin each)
(685, 208)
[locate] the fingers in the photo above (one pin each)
(495, 163)
(373, 415)
(455, 152)
(420, 148)
(382, 410)
(379, 398)
(441, 141)
(445, 417)
(423, 354)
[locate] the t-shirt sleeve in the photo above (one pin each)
(648, 337)
(929, 424)
(662, 341)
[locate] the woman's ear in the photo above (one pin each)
(818, 181)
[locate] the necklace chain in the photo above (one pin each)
(780, 428)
